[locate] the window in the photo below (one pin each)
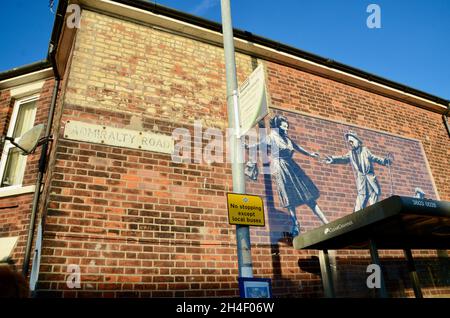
(12, 164)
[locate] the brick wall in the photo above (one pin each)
(138, 224)
(130, 68)
(152, 227)
(134, 220)
(15, 210)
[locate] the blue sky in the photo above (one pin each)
(412, 47)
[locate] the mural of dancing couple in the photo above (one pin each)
(296, 186)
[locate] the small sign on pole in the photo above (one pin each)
(244, 209)
(253, 105)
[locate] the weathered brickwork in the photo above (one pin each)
(125, 67)
(150, 221)
(140, 225)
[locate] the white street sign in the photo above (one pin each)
(253, 105)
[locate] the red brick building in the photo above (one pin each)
(136, 223)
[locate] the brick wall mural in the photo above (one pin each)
(327, 169)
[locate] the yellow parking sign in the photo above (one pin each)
(244, 209)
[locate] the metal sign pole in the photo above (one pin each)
(327, 279)
(236, 149)
(413, 273)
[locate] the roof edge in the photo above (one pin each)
(25, 69)
(238, 34)
(248, 36)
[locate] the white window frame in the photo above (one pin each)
(7, 146)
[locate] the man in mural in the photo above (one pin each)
(362, 161)
(294, 186)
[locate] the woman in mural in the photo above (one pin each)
(295, 188)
